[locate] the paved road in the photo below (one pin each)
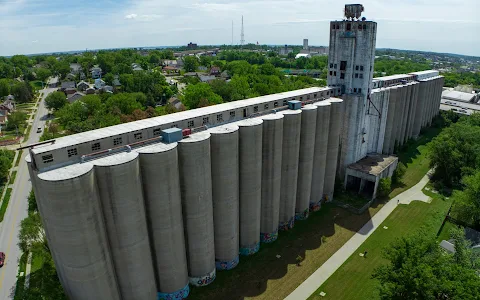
(17, 210)
(309, 286)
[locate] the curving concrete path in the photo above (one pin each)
(309, 286)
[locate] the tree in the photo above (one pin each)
(16, 119)
(43, 74)
(55, 101)
(32, 202)
(194, 94)
(5, 164)
(62, 68)
(384, 187)
(240, 87)
(419, 269)
(190, 63)
(4, 87)
(22, 91)
(466, 205)
(109, 78)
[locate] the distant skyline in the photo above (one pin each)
(35, 26)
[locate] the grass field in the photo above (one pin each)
(353, 279)
(445, 231)
(415, 158)
(5, 201)
(12, 178)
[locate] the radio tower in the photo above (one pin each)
(242, 36)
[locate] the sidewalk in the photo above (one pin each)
(27, 270)
(309, 286)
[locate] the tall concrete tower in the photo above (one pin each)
(351, 59)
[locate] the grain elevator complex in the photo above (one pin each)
(143, 209)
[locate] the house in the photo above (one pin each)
(70, 91)
(171, 70)
(74, 97)
(70, 76)
(10, 98)
(75, 68)
(202, 68)
(99, 83)
(224, 75)
(3, 117)
(96, 72)
(82, 86)
(206, 78)
(82, 76)
(176, 103)
(116, 82)
(90, 91)
(169, 63)
(8, 105)
(215, 71)
(68, 85)
(107, 89)
(136, 67)
(53, 82)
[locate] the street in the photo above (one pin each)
(17, 209)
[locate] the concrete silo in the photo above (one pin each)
(161, 188)
(250, 173)
(320, 154)
(305, 161)
(196, 191)
(271, 176)
(292, 125)
(333, 146)
(71, 213)
(225, 191)
(120, 189)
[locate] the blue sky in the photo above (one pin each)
(36, 26)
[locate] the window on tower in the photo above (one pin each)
(338, 26)
(342, 75)
(343, 65)
(349, 26)
(331, 66)
(333, 26)
(331, 73)
(335, 73)
(356, 75)
(361, 68)
(360, 26)
(356, 68)
(364, 27)
(361, 75)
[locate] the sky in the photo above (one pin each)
(39, 26)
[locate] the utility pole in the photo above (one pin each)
(242, 36)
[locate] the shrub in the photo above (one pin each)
(384, 187)
(399, 172)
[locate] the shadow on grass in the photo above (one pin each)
(409, 152)
(250, 277)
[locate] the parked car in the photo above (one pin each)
(39, 129)
(2, 259)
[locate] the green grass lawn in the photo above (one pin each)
(17, 162)
(353, 279)
(12, 178)
(415, 157)
(444, 233)
(5, 201)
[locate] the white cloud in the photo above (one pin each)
(131, 16)
(36, 41)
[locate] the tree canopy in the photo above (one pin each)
(56, 101)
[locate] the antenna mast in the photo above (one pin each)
(242, 36)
